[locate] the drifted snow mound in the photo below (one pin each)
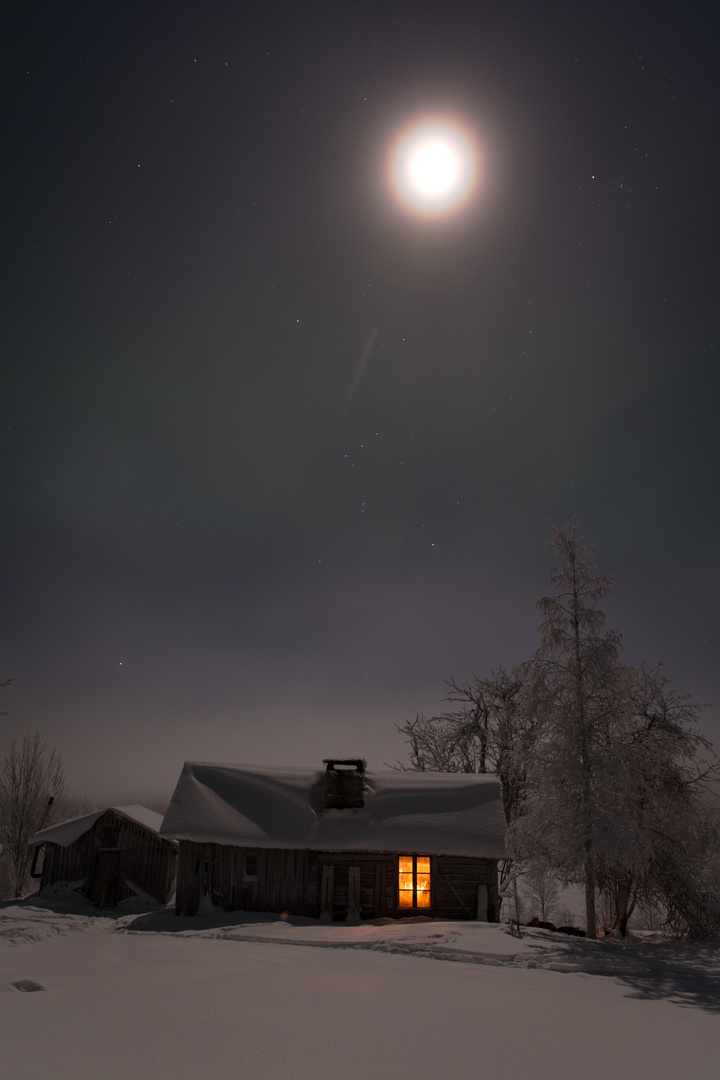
(282, 807)
(62, 910)
(21, 923)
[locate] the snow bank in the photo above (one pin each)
(251, 806)
(263, 998)
(21, 923)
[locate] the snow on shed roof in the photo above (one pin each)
(253, 806)
(67, 832)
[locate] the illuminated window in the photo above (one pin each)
(414, 881)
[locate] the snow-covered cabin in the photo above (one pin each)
(112, 854)
(336, 842)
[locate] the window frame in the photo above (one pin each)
(415, 909)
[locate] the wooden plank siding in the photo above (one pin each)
(376, 886)
(71, 864)
(455, 882)
(147, 862)
(278, 880)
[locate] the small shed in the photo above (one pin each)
(337, 842)
(113, 854)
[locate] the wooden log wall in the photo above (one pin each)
(247, 879)
(377, 882)
(274, 880)
(456, 880)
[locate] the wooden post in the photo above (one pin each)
(482, 903)
(33, 869)
(326, 894)
(380, 890)
(353, 915)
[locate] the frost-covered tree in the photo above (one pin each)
(659, 824)
(616, 777)
(542, 889)
(490, 732)
(604, 775)
(577, 685)
(30, 776)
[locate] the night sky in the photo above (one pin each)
(278, 456)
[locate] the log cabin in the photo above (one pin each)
(109, 855)
(338, 842)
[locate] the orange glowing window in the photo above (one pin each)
(414, 881)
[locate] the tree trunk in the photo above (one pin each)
(590, 915)
(625, 900)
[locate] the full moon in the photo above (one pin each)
(433, 166)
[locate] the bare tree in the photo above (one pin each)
(6, 683)
(31, 775)
(491, 732)
(542, 889)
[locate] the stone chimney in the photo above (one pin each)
(343, 788)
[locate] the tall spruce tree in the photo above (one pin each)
(578, 686)
(616, 779)
(605, 781)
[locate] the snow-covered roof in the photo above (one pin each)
(253, 806)
(67, 832)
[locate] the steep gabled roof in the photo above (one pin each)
(67, 832)
(252, 806)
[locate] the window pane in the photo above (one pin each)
(423, 864)
(423, 890)
(406, 895)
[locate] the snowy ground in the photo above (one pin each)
(87, 997)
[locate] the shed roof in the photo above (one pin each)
(255, 806)
(67, 832)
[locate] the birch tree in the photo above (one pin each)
(31, 774)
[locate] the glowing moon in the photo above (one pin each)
(433, 166)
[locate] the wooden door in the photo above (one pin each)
(104, 883)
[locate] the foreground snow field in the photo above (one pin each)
(86, 997)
